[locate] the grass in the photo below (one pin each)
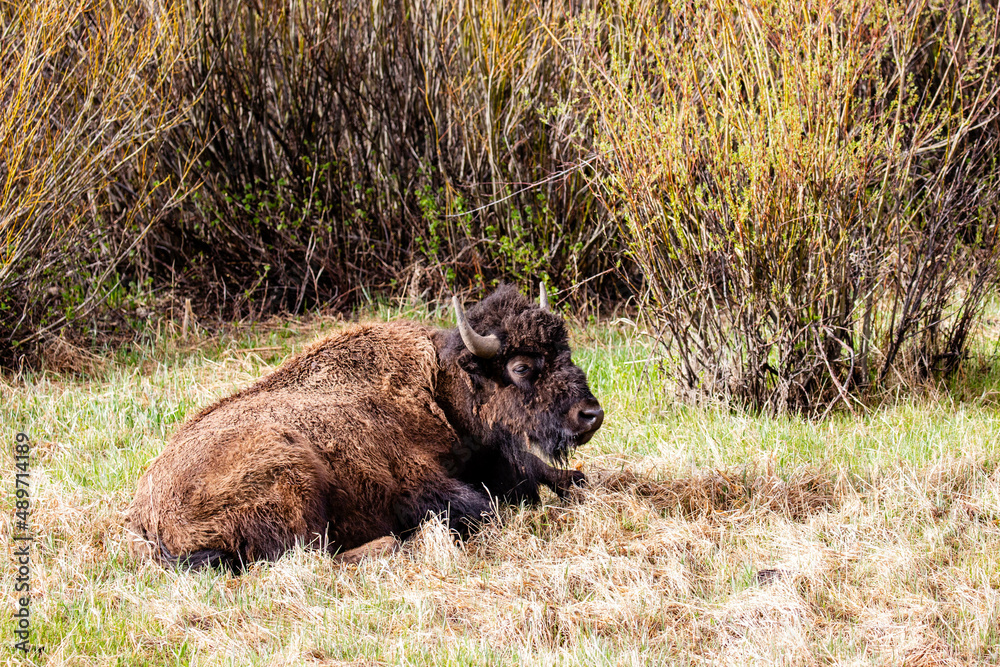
(705, 536)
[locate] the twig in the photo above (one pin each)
(547, 179)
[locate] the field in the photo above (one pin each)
(801, 200)
(705, 537)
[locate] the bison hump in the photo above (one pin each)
(388, 358)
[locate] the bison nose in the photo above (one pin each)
(585, 418)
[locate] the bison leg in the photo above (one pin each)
(467, 510)
(463, 506)
(383, 545)
(515, 477)
(562, 481)
(197, 560)
(535, 471)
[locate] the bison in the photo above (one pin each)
(366, 433)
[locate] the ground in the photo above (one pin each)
(706, 536)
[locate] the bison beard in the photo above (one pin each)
(367, 433)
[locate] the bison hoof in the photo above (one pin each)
(570, 480)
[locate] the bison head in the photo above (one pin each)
(517, 376)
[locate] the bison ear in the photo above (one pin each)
(473, 365)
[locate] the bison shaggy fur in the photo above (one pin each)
(366, 433)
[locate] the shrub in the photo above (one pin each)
(356, 145)
(84, 105)
(810, 189)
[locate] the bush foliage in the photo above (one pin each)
(811, 189)
(348, 143)
(85, 106)
(339, 146)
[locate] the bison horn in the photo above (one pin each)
(543, 297)
(481, 346)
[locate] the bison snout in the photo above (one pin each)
(585, 417)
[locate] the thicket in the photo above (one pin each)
(354, 144)
(811, 189)
(804, 195)
(323, 149)
(86, 105)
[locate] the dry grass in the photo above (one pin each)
(705, 537)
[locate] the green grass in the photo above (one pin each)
(886, 524)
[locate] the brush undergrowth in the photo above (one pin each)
(706, 536)
(811, 189)
(86, 104)
(352, 144)
(272, 157)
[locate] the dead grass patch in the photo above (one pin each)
(890, 558)
(746, 490)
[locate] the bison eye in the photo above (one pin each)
(522, 368)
